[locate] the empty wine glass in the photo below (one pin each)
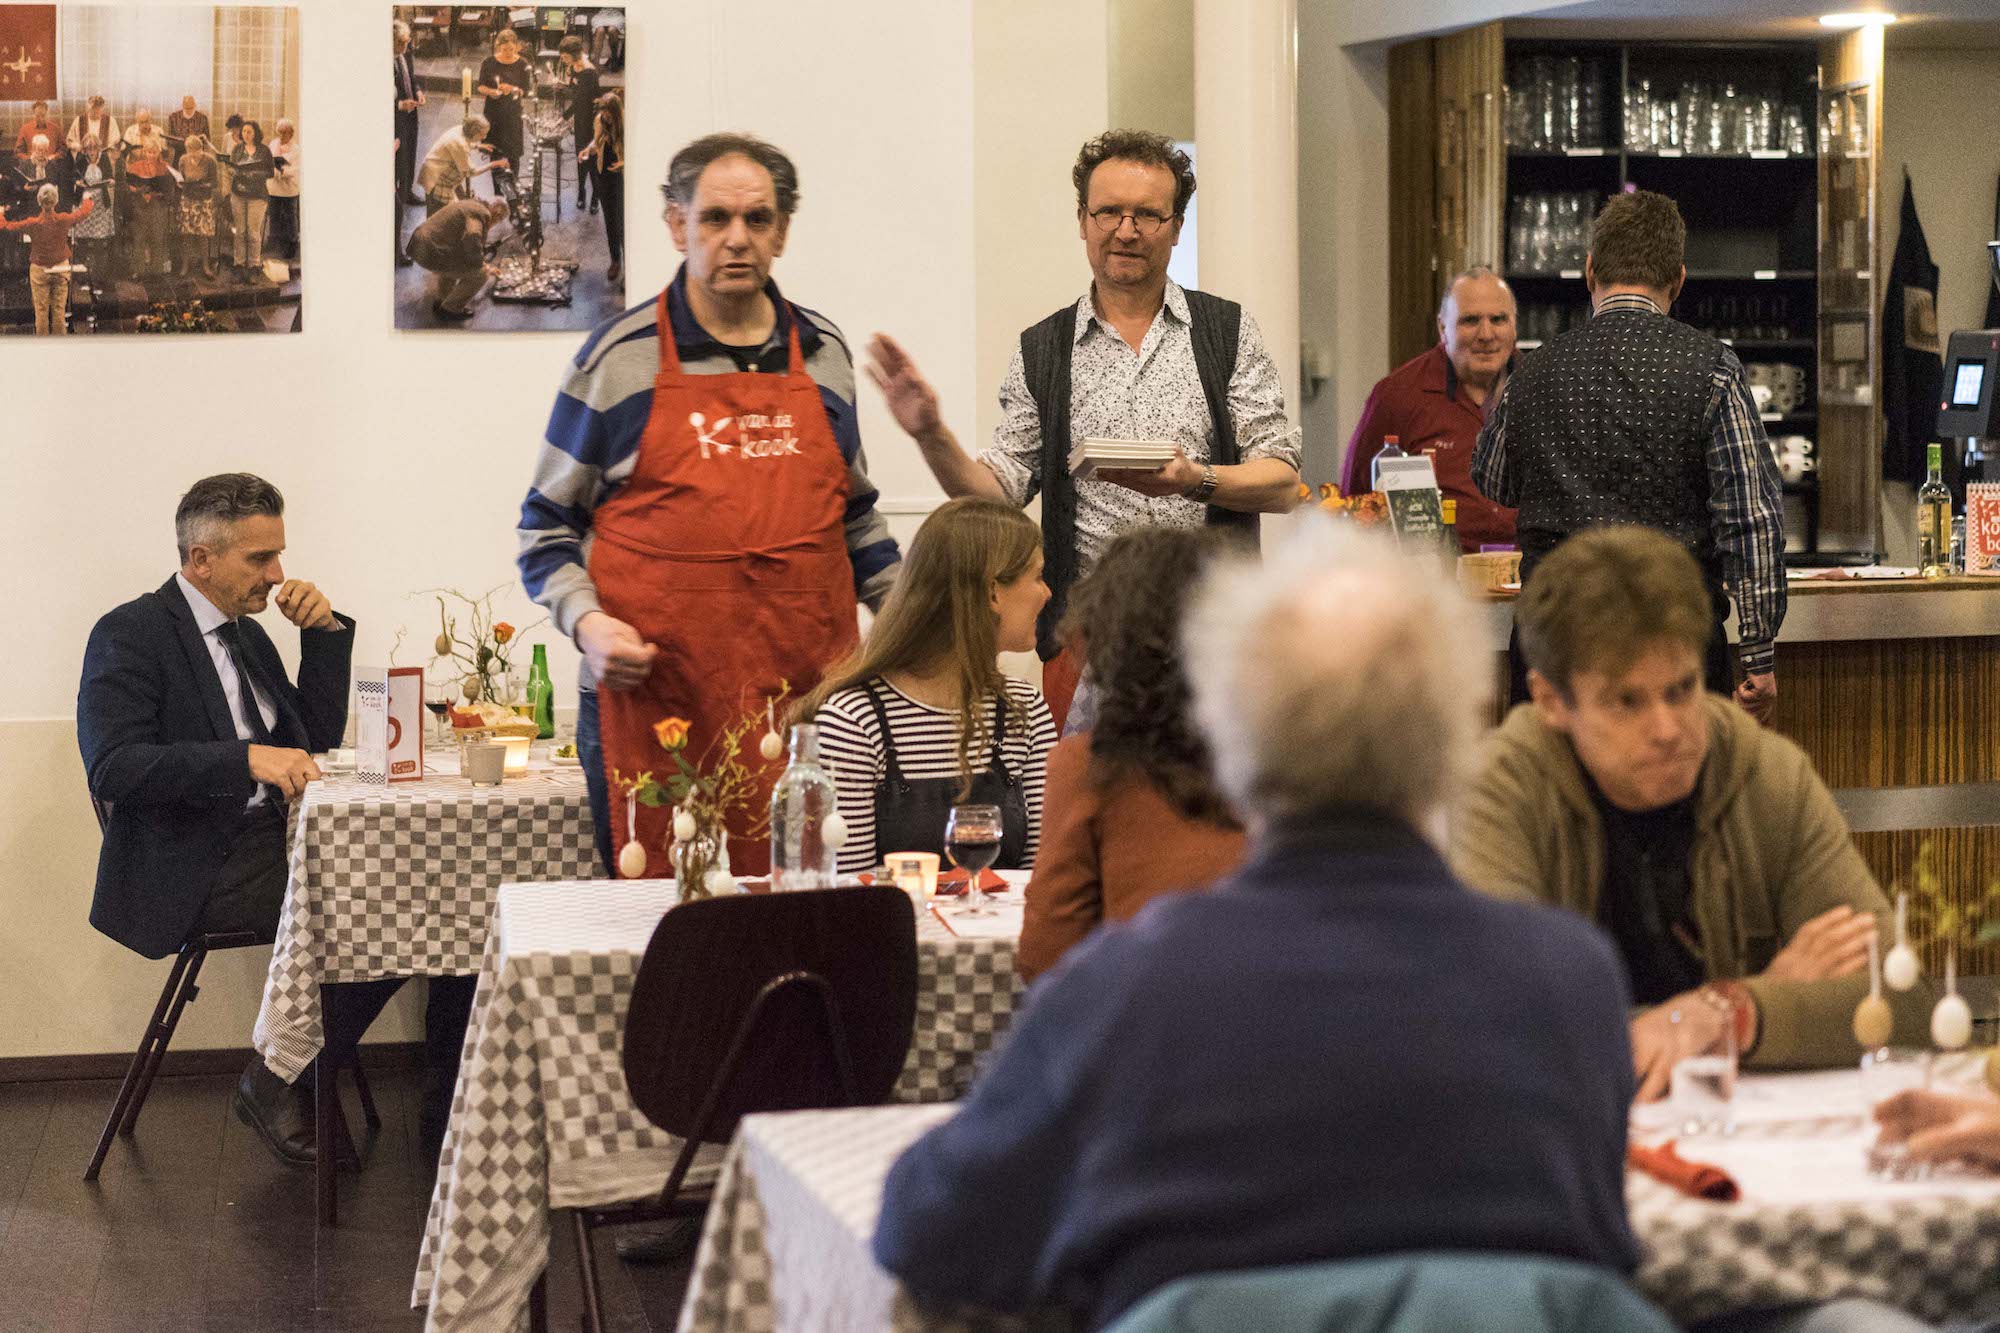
(972, 839)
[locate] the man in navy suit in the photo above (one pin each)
(193, 741)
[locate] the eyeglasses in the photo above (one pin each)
(1144, 220)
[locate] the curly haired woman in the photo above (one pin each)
(1130, 812)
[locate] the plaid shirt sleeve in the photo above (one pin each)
(1489, 457)
(1747, 513)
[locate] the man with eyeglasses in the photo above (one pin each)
(1136, 358)
(701, 520)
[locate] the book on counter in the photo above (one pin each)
(1416, 512)
(1087, 456)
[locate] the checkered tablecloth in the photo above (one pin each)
(398, 880)
(786, 1244)
(541, 1117)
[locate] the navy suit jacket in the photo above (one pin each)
(1336, 1052)
(160, 749)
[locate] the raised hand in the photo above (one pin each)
(908, 395)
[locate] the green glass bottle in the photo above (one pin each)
(1934, 519)
(542, 693)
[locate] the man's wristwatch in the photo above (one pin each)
(1203, 489)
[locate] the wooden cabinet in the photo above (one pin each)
(1502, 149)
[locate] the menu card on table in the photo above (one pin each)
(1416, 513)
(389, 724)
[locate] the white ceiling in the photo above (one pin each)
(1953, 23)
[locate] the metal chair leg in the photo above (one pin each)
(183, 997)
(361, 1090)
(538, 1304)
(326, 1107)
(586, 1263)
(133, 1071)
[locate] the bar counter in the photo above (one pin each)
(1892, 686)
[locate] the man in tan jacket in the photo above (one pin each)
(1707, 847)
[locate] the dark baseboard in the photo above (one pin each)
(176, 1064)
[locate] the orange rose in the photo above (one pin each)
(502, 632)
(671, 732)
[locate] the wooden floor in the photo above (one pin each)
(194, 1226)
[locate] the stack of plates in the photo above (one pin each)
(1090, 455)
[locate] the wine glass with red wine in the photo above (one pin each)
(972, 841)
(438, 695)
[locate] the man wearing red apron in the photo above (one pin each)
(701, 521)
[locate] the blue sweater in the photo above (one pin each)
(1338, 1051)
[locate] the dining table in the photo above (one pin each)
(397, 880)
(542, 1118)
(786, 1243)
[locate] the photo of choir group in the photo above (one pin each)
(509, 165)
(152, 179)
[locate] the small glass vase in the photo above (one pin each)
(696, 860)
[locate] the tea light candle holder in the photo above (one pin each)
(915, 873)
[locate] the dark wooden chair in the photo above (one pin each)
(180, 991)
(758, 1002)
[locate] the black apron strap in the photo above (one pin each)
(892, 772)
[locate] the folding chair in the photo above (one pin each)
(179, 992)
(764, 1002)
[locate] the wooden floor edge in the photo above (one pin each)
(228, 1060)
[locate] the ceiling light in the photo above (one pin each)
(1856, 20)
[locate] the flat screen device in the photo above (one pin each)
(1968, 378)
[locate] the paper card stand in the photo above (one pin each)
(389, 724)
(1416, 513)
(1982, 528)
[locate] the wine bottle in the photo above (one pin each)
(542, 693)
(1934, 518)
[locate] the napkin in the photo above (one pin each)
(953, 882)
(1696, 1179)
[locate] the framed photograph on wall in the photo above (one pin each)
(509, 165)
(151, 176)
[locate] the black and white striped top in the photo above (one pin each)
(851, 749)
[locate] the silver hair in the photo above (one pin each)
(215, 504)
(1476, 271)
(398, 28)
(39, 141)
(684, 172)
(1339, 672)
(475, 127)
(48, 196)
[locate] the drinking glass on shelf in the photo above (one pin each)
(1702, 1087)
(1884, 1073)
(438, 696)
(972, 840)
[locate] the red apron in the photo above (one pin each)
(726, 548)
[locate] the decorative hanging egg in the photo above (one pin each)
(1899, 969)
(834, 829)
(443, 645)
(719, 881)
(770, 747)
(684, 826)
(1951, 1022)
(1873, 1022)
(632, 861)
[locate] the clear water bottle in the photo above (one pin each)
(801, 855)
(1392, 447)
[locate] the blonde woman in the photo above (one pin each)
(284, 190)
(921, 718)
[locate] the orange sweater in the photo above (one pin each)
(49, 234)
(1106, 852)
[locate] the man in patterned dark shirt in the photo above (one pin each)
(1134, 348)
(1636, 418)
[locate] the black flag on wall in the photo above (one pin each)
(1912, 367)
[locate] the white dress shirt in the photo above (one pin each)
(208, 619)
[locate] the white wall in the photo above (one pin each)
(923, 145)
(1941, 122)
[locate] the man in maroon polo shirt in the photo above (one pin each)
(1435, 403)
